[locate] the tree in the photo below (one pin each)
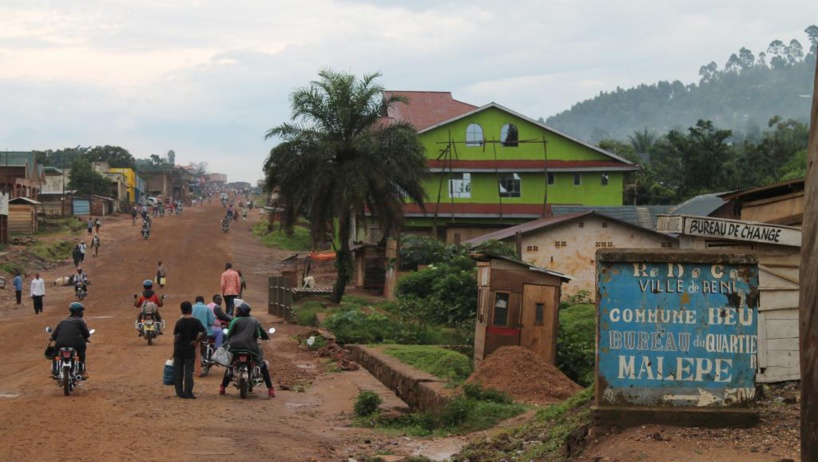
(171, 157)
(812, 34)
(339, 162)
(85, 180)
(114, 156)
(795, 52)
(642, 141)
(778, 54)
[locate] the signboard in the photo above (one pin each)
(676, 328)
(4, 204)
(721, 228)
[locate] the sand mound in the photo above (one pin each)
(526, 377)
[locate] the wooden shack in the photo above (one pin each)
(23, 215)
(517, 305)
(370, 266)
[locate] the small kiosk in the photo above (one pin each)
(517, 305)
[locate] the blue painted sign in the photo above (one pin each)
(676, 334)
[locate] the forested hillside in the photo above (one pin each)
(741, 96)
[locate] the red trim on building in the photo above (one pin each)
(506, 331)
(523, 164)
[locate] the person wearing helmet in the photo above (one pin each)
(73, 332)
(243, 334)
(148, 295)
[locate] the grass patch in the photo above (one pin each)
(12, 268)
(306, 314)
(299, 240)
(59, 225)
(576, 344)
(468, 412)
(440, 362)
(53, 250)
(546, 437)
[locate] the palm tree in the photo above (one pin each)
(339, 161)
(642, 141)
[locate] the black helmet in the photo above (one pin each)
(242, 308)
(147, 284)
(76, 308)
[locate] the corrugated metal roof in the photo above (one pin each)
(645, 216)
(538, 269)
(426, 108)
(701, 206)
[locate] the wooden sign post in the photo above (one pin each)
(809, 295)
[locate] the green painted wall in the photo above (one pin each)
(484, 186)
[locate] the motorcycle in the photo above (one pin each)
(225, 226)
(66, 367)
(149, 327)
(208, 346)
(80, 291)
(146, 233)
(246, 372)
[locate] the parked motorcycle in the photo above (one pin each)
(246, 371)
(66, 367)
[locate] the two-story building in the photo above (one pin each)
(21, 175)
(491, 167)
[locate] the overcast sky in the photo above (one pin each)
(208, 78)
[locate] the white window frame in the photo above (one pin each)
(460, 188)
(475, 137)
(515, 177)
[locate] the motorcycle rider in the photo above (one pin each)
(243, 334)
(73, 332)
(80, 281)
(148, 295)
(222, 319)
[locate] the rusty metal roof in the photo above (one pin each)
(426, 108)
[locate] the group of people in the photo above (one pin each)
(36, 289)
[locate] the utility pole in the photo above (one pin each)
(808, 315)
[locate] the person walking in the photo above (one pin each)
(18, 287)
(161, 275)
(76, 255)
(90, 226)
(133, 215)
(37, 293)
(231, 286)
(95, 243)
(97, 224)
(187, 334)
(83, 249)
(243, 285)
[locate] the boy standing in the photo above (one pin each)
(187, 334)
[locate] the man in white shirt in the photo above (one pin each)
(37, 293)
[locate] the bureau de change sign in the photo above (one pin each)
(676, 328)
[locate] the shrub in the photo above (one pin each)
(357, 325)
(447, 293)
(306, 313)
(576, 346)
(476, 391)
(420, 250)
(367, 403)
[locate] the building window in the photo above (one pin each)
(510, 185)
(500, 309)
(509, 136)
(577, 179)
(551, 179)
(460, 185)
(474, 135)
(604, 178)
(539, 314)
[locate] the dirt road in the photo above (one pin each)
(124, 412)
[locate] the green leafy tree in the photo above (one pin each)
(85, 180)
(171, 157)
(338, 162)
(115, 156)
(812, 35)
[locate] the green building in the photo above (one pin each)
(491, 167)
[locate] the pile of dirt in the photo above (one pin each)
(526, 377)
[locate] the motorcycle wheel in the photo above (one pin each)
(150, 339)
(243, 388)
(206, 368)
(66, 381)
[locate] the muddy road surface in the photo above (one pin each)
(123, 412)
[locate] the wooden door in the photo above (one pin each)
(539, 320)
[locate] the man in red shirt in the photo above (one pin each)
(231, 286)
(148, 295)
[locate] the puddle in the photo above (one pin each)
(100, 317)
(305, 366)
(300, 404)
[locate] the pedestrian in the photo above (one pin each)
(161, 275)
(37, 293)
(97, 224)
(90, 226)
(231, 286)
(187, 334)
(133, 215)
(83, 248)
(76, 255)
(95, 243)
(243, 285)
(18, 287)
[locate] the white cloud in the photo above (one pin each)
(207, 78)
